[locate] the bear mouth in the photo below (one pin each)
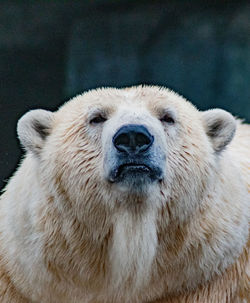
(132, 171)
(132, 168)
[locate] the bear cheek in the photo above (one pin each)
(109, 161)
(108, 157)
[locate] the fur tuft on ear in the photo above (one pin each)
(33, 128)
(220, 127)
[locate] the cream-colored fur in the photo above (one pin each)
(69, 235)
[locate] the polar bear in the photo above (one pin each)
(127, 196)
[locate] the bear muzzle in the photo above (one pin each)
(134, 157)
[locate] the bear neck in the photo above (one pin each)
(135, 244)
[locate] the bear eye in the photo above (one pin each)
(168, 119)
(97, 119)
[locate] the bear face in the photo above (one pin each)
(136, 141)
(88, 145)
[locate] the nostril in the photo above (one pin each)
(141, 139)
(133, 139)
(122, 140)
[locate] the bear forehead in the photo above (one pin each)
(152, 98)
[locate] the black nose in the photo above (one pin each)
(133, 138)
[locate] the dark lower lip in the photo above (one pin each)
(133, 168)
(130, 168)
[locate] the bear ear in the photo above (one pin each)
(220, 127)
(33, 128)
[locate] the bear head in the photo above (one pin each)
(127, 146)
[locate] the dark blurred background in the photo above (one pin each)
(52, 50)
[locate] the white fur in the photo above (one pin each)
(134, 247)
(60, 217)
